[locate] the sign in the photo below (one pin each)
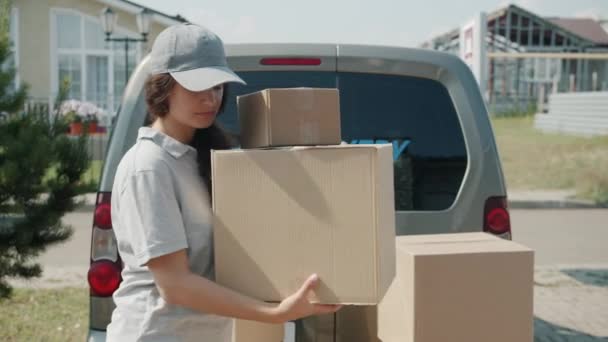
(473, 49)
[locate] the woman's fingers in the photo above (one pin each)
(308, 285)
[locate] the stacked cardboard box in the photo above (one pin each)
(459, 287)
(282, 214)
(289, 117)
(250, 331)
(450, 287)
(295, 202)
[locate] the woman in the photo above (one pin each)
(161, 205)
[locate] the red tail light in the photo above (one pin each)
(496, 219)
(104, 278)
(103, 217)
(290, 61)
(104, 273)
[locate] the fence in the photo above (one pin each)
(522, 81)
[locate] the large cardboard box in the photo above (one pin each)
(281, 215)
(251, 331)
(290, 117)
(459, 288)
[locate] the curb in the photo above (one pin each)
(553, 204)
(87, 203)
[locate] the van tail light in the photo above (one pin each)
(104, 278)
(102, 217)
(290, 61)
(496, 218)
(104, 272)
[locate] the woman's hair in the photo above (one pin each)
(157, 89)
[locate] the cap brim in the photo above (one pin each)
(205, 78)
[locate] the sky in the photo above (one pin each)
(377, 22)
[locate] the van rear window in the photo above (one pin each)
(416, 115)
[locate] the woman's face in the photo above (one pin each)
(196, 109)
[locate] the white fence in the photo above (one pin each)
(575, 113)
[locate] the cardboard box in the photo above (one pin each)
(357, 324)
(281, 215)
(290, 117)
(460, 288)
(251, 331)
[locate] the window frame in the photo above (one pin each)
(111, 52)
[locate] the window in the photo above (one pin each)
(415, 115)
(97, 78)
(94, 67)
(68, 31)
(70, 69)
(94, 37)
(119, 67)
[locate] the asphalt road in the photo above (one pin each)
(559, 237)
(563, 236)
(571, 277)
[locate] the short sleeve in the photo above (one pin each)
(151, 215)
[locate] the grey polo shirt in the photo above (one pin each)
(160, 205)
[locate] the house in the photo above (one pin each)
(58, 39)
(529, 55)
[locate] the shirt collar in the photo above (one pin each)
(167, 143)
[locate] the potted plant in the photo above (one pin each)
(90, 114)
(80, 116)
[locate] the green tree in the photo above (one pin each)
(40, 169)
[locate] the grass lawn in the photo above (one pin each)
(45, 315)
(534, 160)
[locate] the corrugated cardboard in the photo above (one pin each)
(459, 288)
(281, 215)
(357, 324)
(251, 331)
(290, 117)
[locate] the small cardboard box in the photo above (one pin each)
(251, 331)
(289, 117)
(459, 288)
(281, 215)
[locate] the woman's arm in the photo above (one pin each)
(179, 286)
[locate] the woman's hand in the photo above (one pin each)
(179, 286)
(298, 306)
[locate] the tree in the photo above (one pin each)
(40, 169)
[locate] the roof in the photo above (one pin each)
(585, 27)
(132, 7)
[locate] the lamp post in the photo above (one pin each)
(108, 22)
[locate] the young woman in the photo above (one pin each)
(161, 205)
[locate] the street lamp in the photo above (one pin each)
(108, 22)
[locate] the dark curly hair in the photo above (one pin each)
(157, 90)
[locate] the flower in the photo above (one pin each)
(80, 111)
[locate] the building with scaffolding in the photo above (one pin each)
(527, 57)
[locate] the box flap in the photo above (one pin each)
(457, 243)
